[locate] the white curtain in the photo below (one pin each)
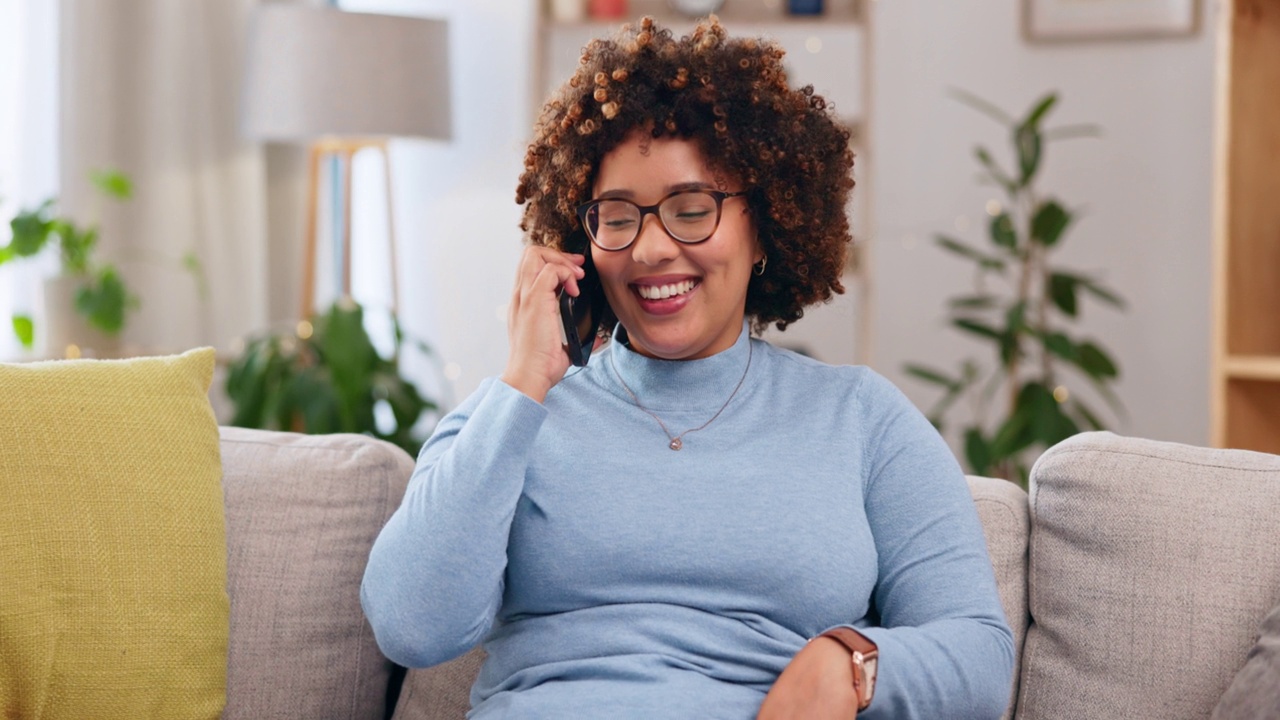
(28, 145)
(151, 87)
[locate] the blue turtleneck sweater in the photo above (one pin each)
(611, 577)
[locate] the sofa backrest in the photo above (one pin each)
(302, 513)
(1152, 565)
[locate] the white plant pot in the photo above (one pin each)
(62, 326)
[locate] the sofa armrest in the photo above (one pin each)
(302, 513)
(1006, 523)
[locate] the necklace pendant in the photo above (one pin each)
(675, 444)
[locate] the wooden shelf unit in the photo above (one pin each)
(1246, 338)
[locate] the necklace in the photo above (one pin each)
(676, 442)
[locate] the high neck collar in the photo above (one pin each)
(679, 384)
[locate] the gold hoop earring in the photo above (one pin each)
(758, 268)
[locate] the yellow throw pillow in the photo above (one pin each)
(113, 563)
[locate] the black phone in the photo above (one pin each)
(582, 315)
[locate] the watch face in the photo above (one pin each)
(696, 8)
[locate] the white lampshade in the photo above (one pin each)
(314, 72)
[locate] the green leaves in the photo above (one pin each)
(1041, 108)
(104, 300)
(1063, 288)
(994, 171)
(330, 381)
(1096, 362)
(1027, 140)
(1003, 233)
(77, 246)
(30, 231)
(1049, 222)
(977, 451)
(985, 261)
(113, 183)
(1020, 405)
(24, 329)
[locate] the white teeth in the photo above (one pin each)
(662, 292)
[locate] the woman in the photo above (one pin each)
(696, 524)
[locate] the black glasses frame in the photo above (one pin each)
(718, 195)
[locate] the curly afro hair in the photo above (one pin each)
(731, 97)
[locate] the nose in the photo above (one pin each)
(653, 246)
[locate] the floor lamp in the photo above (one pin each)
(341, 82)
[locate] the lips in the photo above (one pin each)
(664, 295)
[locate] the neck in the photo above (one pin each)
(669, 385)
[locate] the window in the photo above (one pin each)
(28, 142)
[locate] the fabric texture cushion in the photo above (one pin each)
(1150, 566)
(442, 692)
(1254, 694)
(113, 602)
(302, 514)
(1006, 523)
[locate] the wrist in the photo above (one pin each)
(864, 659)
(530, 386)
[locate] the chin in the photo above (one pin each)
(664, 343)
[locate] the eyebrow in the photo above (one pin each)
(629, 195)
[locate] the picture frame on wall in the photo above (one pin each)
(1051, 21)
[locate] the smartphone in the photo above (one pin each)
(582, 315)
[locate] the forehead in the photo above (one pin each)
(643, 164)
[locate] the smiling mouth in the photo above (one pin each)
(663, 292)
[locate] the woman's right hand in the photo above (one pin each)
(537, 359)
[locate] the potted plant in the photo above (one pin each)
(326, 376)
(1024, 307)
(88, 303)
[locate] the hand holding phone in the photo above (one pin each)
(537, 359)
(581, 316)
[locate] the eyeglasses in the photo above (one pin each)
(688, 216)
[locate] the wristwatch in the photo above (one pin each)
(865, 657)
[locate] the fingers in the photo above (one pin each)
(535, 258)
(550, 278)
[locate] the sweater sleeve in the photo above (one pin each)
(434, 580)
(945, 647)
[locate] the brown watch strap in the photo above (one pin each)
(865, 658)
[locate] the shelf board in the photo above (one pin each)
(735, 14)
(1252, 367)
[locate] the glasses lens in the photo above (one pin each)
(689, 216)
(613, 223)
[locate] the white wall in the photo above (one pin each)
(456, 216)
(1144, 187)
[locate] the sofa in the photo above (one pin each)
(1134, 575)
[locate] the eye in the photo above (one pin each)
(692, 214)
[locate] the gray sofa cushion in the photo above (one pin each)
(1151, 566)
(1006, 522)
(442, 692)
(302, 514)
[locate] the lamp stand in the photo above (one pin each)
(345, 150)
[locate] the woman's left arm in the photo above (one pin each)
(945, 648)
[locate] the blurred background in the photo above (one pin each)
(192, 136)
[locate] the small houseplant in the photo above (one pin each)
(1024, 307)
(100, 294)
(326, 376)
